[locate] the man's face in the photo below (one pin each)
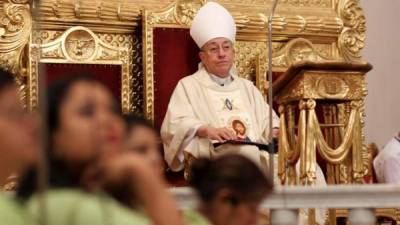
(217, 55)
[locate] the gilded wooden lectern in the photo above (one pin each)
(321, 107)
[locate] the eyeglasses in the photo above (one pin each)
(214, 48)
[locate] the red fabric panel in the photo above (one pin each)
(175, 56)
(109, 75)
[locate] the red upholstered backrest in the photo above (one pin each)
(175, 56)
(109, 75)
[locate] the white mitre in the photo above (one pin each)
(212, 21)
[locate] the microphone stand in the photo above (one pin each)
(270, 98)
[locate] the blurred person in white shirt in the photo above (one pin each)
(387, 163)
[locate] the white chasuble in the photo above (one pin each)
(196, 101)
(232, 111)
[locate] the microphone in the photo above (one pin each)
(270, 98)
(274, 4)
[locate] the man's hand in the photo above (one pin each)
(219, 134)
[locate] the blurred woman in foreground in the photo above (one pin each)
(85, 152)
(18, 144)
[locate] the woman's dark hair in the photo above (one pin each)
(233, 172)
(6, 79)
(133, 120)
(58, 174)
(56, 94)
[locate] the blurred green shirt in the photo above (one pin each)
(76, 207)
(192, 217)
(10, 211)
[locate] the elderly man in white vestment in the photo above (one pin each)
(205, 106)
(387, 162)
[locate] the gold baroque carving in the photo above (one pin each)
(352, 39)
(286, 54)
(77, 44)
(343, 114)
(55, 53)
(297, 50)
(15, 28)
(148, 69)
(178, 14)
(299, 24)
(34, 57)
(45, 36)
(318, 3)
(185, 10)
(250, 20)
(295, 90)
(321, 85)
(81, 45)
(246, 54)
(89, 10)
(301, 49)
(366, 160)
(15, 25)
(331, 87)
(297, 3)
(134, 47)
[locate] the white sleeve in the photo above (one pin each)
(392, 171)
(189, 137)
